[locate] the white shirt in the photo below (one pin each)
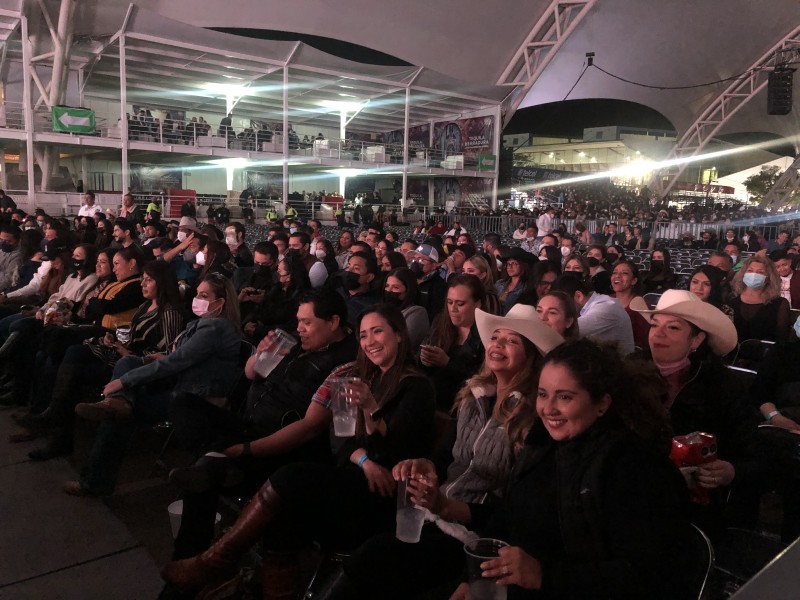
(89, 211)
(452, 232)
(603, 319)
(519, 234)
(786, 288)
(545, 224)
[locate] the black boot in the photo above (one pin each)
(9, 346)
(60, 444)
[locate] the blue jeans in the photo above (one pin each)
(99, 474)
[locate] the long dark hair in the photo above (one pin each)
(384, 385)
(716, 277)
(635, 387)
(168, 296)
(409, 280)
(445, 334)
(90, 250)
(636, 288)
(297, 271)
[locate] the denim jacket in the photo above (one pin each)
(204, 362)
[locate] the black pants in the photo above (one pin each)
(385, 567)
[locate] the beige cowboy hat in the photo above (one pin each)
(521, 319)
(719, 329)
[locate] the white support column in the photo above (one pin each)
(123, 104)
(498, 134)
(285, 137)
(28, 113)
(406, 154)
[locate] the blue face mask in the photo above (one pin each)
(754, 280)
(797, 328)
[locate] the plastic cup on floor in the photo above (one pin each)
(175, 511)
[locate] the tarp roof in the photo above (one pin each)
(676, 43)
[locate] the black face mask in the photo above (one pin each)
(656, 265)
(351, 281)
(392, 298)
(593, 262)
(611, 258)
(6, 247)
(77, 264)
(417, 269)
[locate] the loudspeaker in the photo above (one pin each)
(779, 92)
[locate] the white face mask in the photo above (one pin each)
(280, 257)
(565, 251)
(321, 254)
(200, 258)
(181, 236)
(200, 307)
(230, 240)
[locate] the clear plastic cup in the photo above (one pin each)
(282, 344)
(345, 411)
(479, 551)
(410, 517)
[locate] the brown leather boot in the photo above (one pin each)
(280, 576)
(219, 562)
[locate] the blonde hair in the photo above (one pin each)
(771, 290)
(517, 411)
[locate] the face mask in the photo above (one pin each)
(292, 229)
(321, 254)
(351, 281)
(181, 236)
(392, 298)
(797, 328)
(416, 269)
(754, 281)
(611, 257)
(656, 265)
(230, 240)
(78, 264)
(189, 255)
(200, 307)
(280, 257)
(729, 238)
(593, 261)
(6, 247)
(746, 238)
(200, 258)
(734, 258)
(530, 239)
(40, 224)
(565, 251)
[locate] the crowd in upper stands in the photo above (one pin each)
(528, 391)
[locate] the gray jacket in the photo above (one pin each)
(482, 454)
(9, 268)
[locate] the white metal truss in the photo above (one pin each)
(552, 29)
(721, 111)
(784, 187)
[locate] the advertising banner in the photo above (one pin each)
(419, 136)
(469, 137)
(453, 192)
(149, 178)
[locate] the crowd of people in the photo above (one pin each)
(527, 392)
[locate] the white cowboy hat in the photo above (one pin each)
(719, 329)
(521, 319)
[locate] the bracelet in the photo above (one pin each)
(361, 460)
(772, 415)
(246, 450)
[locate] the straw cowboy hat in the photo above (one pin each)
(521, 319)
(719, 329)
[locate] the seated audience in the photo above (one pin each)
(759, 311)
(400, 289)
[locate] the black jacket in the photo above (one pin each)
(604, 515)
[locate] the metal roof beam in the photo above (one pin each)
(546, 37)
(784, 187)
(719, 112)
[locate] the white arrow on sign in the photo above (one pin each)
(66, 120)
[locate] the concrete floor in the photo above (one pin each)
(59, 547)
